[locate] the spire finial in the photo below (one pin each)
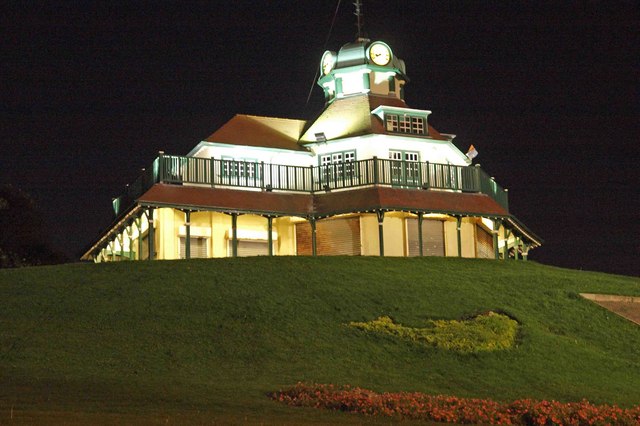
(360, 22)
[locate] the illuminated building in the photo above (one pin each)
(368, 176)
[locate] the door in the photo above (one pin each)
(405, 168)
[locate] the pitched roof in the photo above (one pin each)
(252, 130)
(322, 204)
(351, 116)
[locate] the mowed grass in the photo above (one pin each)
(204, 340)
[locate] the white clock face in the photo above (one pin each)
(379, 54)
(328, 61)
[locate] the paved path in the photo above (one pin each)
(625, 306)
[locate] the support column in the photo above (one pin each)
(130, 232)
(506, 243)
(459, 234)
(138, 223)
(120, 238)
(420, 233)
(234, 234)
(525, 252)
(151, 235)
(314, 247)
(187, 227)
(516, 248)
(270, 234)
(496, 229)
(112, 245)
(380, 215)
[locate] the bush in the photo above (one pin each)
(487, 332)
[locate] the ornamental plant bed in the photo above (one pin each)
(486, 332)
(450, 409)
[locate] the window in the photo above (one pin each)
(417, 125)
(338, 166)
(242, 168)
(392, 122)
(405, 124)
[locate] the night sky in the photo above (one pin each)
(547, 91)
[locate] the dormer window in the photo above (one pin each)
(392, 122)
(404, 123)
(403, 120)
(417, 125)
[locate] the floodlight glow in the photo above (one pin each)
(380, 77)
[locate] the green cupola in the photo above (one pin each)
(362, 67)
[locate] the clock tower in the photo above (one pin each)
(362, 67)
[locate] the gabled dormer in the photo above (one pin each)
(362, 67)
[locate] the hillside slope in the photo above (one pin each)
(215, 335)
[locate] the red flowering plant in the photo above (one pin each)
(450, 409)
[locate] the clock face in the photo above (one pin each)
(327, 63)
(380, 54)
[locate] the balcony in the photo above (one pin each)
(260, 176)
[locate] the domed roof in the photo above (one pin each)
(352, 54)
(356, 53)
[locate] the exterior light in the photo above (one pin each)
(320, 137)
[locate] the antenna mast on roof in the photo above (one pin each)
(360, 23)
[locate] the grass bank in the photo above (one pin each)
(211, 337)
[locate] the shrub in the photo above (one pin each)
(487, 332)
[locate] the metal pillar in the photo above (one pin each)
(496, 229)
(187, 226)
(234, 234)
(314, 247)
(120, 238)
(151, 235)
(420, 233)
(112, 245)
(138, 223)
(270, 232)
(506, 243)
(459, 234)
(130, 232)
(380, 215)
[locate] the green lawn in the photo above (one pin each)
(203, 341)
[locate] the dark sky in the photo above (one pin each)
(547, 91)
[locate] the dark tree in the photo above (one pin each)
(23, 239)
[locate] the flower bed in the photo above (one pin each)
(451, 409)
(487, 332)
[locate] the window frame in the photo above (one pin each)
(407, 124)
(327, 163)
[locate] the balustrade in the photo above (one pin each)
(278, 177)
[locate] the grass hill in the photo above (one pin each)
(204, 340)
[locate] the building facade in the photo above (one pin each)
(369, 176)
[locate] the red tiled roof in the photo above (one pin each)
(407, 199)
(223, 199)
(356, 111)
(321, 204)
(270, 132)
